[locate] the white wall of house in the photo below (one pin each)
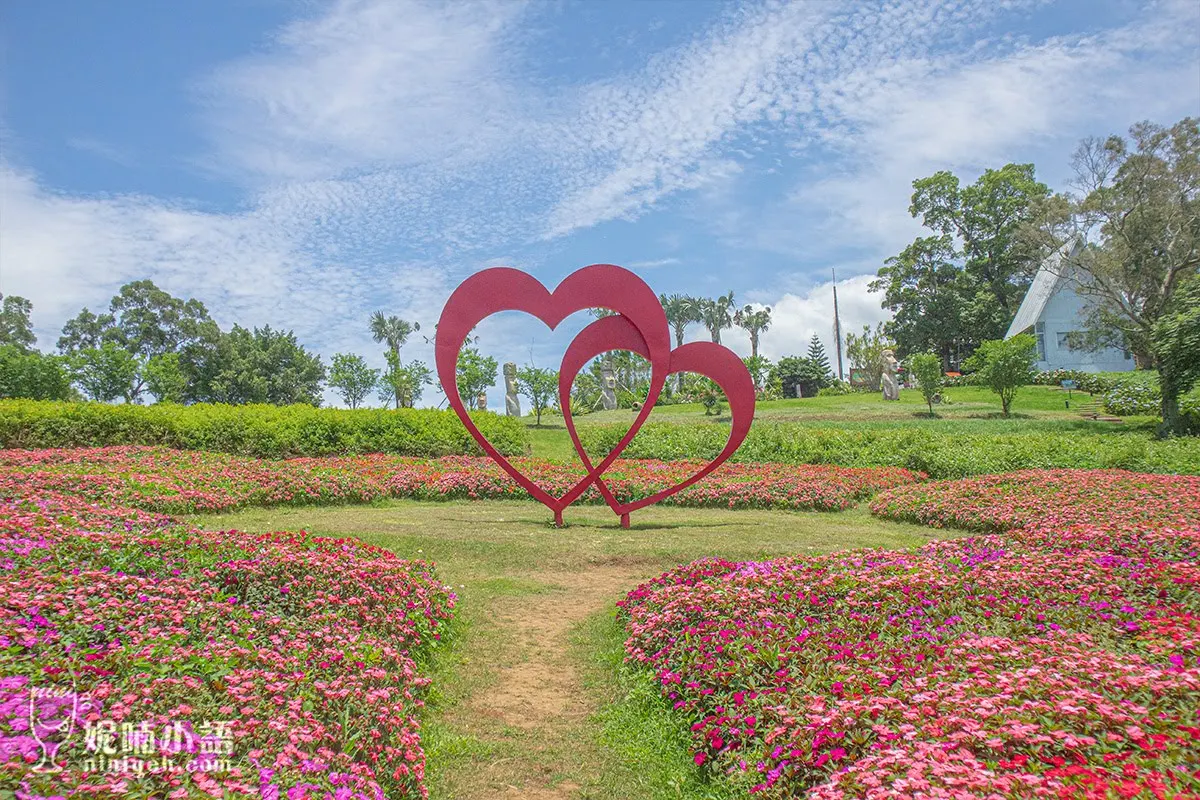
(1063, 313)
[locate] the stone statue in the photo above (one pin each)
(891, 387)
(608, 384)
(481, 401)
(512, 403)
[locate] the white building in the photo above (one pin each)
(1053, 310)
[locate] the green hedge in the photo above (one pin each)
(941, 455)
(262, 431)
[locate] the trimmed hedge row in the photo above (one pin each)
(940, 455)
(262, 431)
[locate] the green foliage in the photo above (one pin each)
(264, 431)
(1139, 217)
(540, 386)
(865, 352)
(33, 375)
(106, 373)
(681, 311)
(350, 375)
(793, 371)
(836, 389)
(164, 378)
(405, 383)
(939, 454)
(716, 314)
(476, 373)
(259, 366)
(951, 290)
(759, 368)
(816, 354)
(754, 321)
(16, 327)
(1004, 366)
(1176, 343)
(927, 369)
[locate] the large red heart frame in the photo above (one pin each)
(640, 326)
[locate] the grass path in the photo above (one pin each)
(531, 700)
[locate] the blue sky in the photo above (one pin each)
(305, 164)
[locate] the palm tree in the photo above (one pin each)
(715, 314)
(394, 332)
(754, 321)
(681, 312)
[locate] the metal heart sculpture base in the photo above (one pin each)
(640, 326)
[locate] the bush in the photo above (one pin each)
(1089, 382)
(254, 430)
(940, 455)
(836, 389)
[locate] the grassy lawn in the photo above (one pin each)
(532, 700)
(968, 409)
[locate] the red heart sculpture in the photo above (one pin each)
(703, 358)
(505, 289)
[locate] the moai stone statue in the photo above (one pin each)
(608, 384)
(512, 403)
(890, 384)
(481, 401)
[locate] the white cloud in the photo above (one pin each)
(796, 316)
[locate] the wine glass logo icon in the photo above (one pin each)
(52, 713)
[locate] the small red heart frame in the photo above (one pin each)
(639, 326)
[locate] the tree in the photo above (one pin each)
(964, 284)
(793, 371)
(32, 375)
(816, 354)
(106, 373)
(394, 332)
(715, 314)
(681, 311)
(85, 331)
(16, 328)
(143, 320)
(1176, 338)
(1004, 366)
(759, 368)
(259, 366)
(475, 372)
(353, 379)
(404, 382)
(865, 352)
(1138, 207)
(165, 378)
(929, 296)
(927, 369)
(540, 386)
(754, 321)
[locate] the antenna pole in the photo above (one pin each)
(837, 327)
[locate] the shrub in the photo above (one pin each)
(936, 453)
(254, 430)
(1004, 366)
(836, 389)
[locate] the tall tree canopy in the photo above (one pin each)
(754, 321)
(951, 290)
(681, 311)
(716, 314)
(16, 326)
(1138, 208)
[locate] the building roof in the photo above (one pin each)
(1042, 288)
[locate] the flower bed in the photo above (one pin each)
(1058, 657)
(184, 481)
(294, 659)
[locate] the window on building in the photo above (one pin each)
(1039, 331)
(1064, 339)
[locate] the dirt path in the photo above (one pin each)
(537, 698)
